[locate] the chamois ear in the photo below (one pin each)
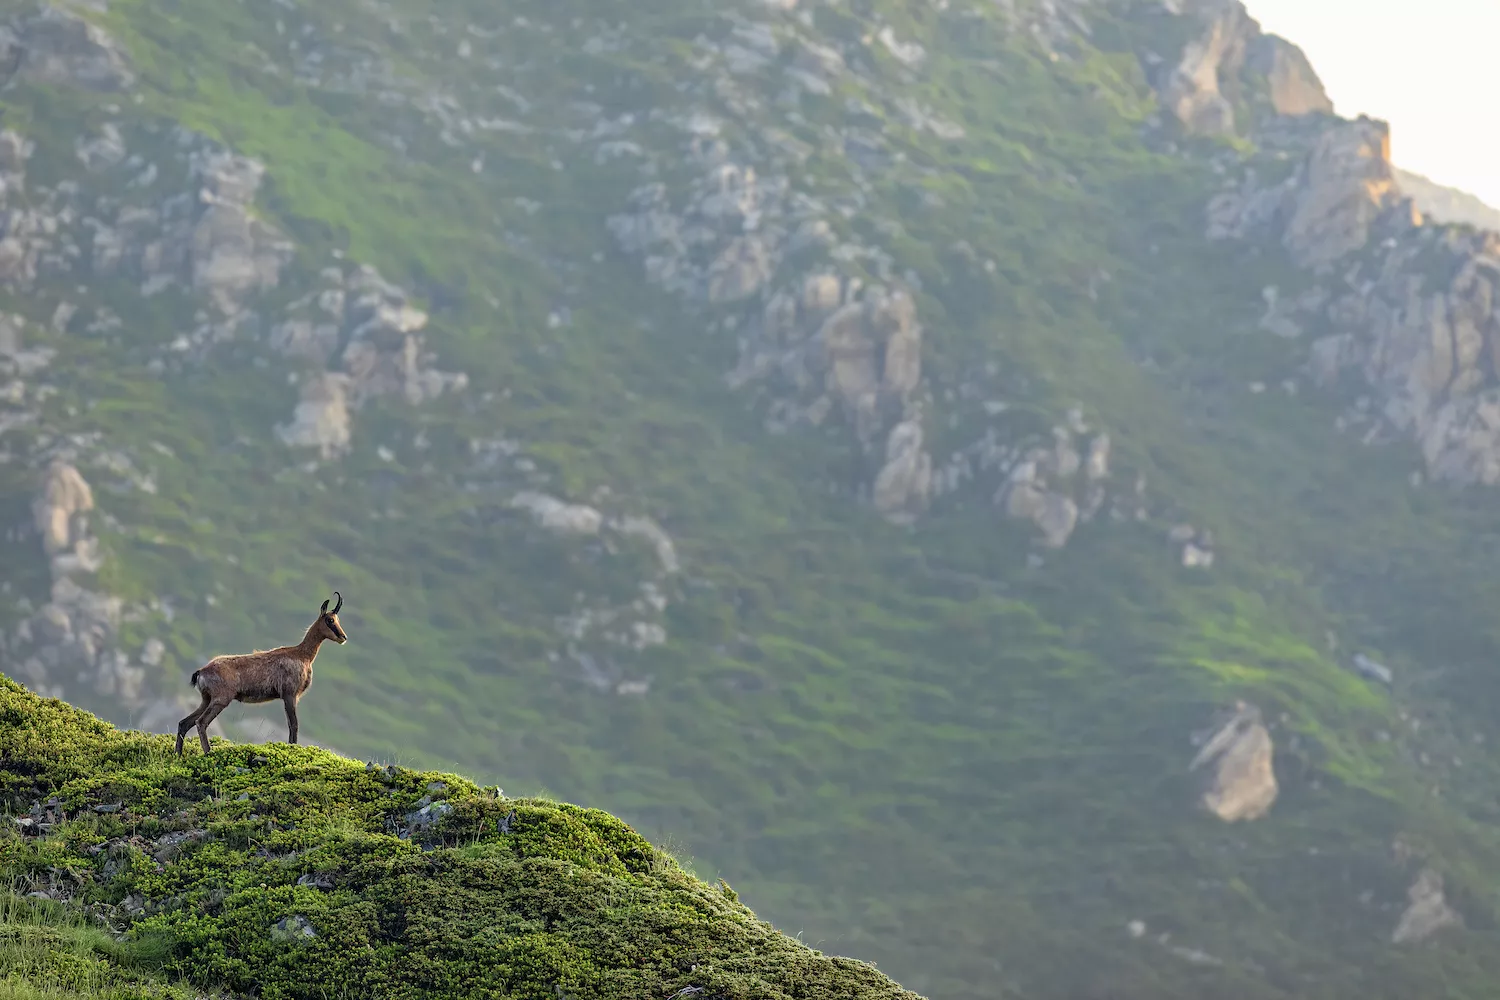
(324, 609)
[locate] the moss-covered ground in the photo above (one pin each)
(286, 872)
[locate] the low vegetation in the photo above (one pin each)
(291, 872)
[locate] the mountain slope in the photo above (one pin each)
(295, 872)
(826, 435)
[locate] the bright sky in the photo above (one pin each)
(1426, 66)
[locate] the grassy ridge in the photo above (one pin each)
(291, 873)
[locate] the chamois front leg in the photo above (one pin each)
(290, 702)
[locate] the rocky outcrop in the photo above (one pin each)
(737, 240)
(1227, 62)
(1057, 487)
(230, 252)
(321, 419)
(1240, 781)
(360, 339)
(904, 483)
(1427, 911)
(72, 638)
(1410, 309)
(829, 345)
(1327, 208)
(57, 47)
(600, 634)
(1294, 86)
(1192, 89)
(59, 513)
(559, 516)
(1341, 190)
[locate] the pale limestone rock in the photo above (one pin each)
(740, 270)
(383, 354)
(65, 496)
(1294, 84)
(11, 326)
(872, 352)
(321, 419)
(1057, 487)
(1344, 186)
(59, 48)
(153, 652)
(1194, 557)
(908, 53)
(1191, 90)
(1241, 782)
(559, 516)
(302, 338)
(1427, 911)
(232, 252)
(903, 486)
(894, 319)
(647, 529)
(821, 293)
(1055, 514)
(1096, 466)
(107, 149)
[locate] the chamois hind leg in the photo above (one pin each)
(186, 724)
(210, 713)
(290, 702)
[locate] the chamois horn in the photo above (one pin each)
(340, 604)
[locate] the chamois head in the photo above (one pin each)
(328, 622)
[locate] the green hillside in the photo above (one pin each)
(297, 873)
(676, 508)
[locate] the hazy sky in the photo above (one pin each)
(1425, 66)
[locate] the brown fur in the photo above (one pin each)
(284, 674)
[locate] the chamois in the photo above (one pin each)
(262, 676)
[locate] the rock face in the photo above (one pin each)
(362, 340)
(232, 253)
(73, 636)
(1411, 310)
(59, 508)
(1228, 61)
(1055, 488)
(1344, 186)
(1240, 783)
(1294, 84)
(55, 47)
(1427, 911)
(1192, 90)
(1330, 205)
(739, 240)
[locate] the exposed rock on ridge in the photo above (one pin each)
(1427, 911)
(1229, 59)
(1240, 784)
(53, 47)
(1409, 308)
